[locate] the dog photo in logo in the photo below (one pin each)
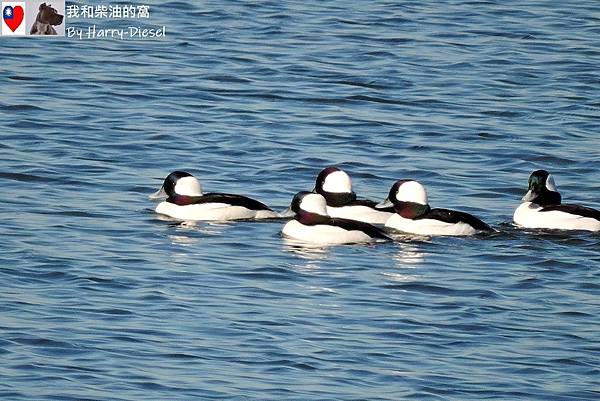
(45, 18)
(13, 18)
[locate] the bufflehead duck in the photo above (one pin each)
(542, 208)
(312, 224)
(336, 187)
(186, 201)
(413, 214)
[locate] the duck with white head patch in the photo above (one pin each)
(542, 208)
(186, 201)
(336, 187)
(312, 224)
(415, 216)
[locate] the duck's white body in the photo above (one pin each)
(428, 226)
(323, 234)
(212, 211)
(530, 215)
(360, 213)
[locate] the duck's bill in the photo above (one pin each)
(160, 194)
(385, 204)
(529, 196)
(287, 213)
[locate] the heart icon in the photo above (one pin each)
(13, 16)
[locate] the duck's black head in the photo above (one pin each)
(297, 201)
(409, 198)
(178, 183)
(171, 181)
(542, 189)
(335, 185)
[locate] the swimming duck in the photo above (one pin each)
(542, 208)
(414, 215)
(186, 201)
(312, 224)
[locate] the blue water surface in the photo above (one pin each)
(101, 299)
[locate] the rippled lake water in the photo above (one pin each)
(102, 299)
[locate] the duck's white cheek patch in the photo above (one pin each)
(314, 203)
(337, 182)
(412, 191)
(550, 184)
(189, 186)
